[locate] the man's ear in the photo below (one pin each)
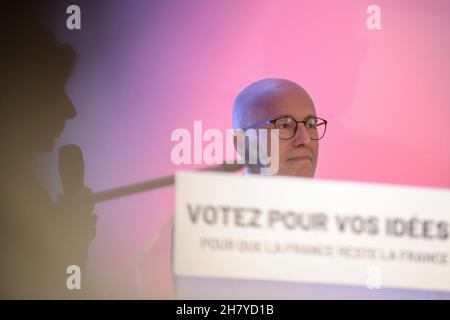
(239, 142)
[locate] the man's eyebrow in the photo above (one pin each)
(290, 115)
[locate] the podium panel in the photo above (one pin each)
(260, 237)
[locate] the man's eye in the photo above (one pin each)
(312, 124)
(283, 126)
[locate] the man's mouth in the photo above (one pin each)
(300, 158)
(59, 130)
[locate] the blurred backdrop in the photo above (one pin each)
(147, 67)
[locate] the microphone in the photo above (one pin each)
(71, 168)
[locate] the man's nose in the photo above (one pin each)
(301, 136)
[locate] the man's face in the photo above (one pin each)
(298, 155)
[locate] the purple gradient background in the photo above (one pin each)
(146, 68)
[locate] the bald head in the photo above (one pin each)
(272, 98)
(256, 100)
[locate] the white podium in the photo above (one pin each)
(260, 237)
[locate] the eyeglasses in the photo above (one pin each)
(287, 127)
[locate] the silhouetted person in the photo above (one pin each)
(39, 238)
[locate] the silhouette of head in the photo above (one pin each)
(34, 70)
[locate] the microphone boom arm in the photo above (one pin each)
(154, 184)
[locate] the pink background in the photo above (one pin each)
(146, 68)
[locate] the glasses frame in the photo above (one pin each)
(325, 122)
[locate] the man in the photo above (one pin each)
(39, 238)
(271, 104)
(284, 105)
